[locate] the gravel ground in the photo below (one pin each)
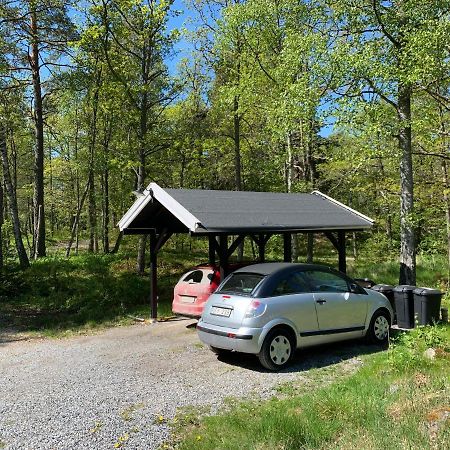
(87, 392)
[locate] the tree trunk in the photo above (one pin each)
(447, 207)
(407, 232)
(140, 263)
(12, 201)
(289, 181)
(106, 209)
(310, 152)
(117, 244)
(38, 198)
(75, 225)
(237, 161)
(143, 130)
(237, 145)
(1, 224)
(445, 179)
(77, 182)
(52, 203)
(106, 188)
(93, 234)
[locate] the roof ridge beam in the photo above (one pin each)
(336, 202)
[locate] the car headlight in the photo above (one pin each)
(255, 309)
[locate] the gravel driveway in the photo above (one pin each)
(122, 385)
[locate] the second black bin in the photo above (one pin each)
(404, 305)
(427, 304)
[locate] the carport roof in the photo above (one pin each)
(232, 212)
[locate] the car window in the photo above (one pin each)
(241, 283)
(295, 283)
(321, 281)
(198, 276)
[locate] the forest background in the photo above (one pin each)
(350, 97)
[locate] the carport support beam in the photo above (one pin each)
(223, 255)
(310, 248)
(339, 244)
(342, 252)
(212, 249)
(287, 247)
(262, 248)
(153, 277)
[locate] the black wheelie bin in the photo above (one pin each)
(404, 305)
(388, 291)
(427, 305)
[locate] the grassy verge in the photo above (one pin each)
(58, 296)
(398, 399)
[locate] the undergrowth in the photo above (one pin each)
(60, 295)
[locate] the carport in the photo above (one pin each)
(161, 212)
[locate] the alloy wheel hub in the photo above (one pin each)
(280, 350)
(381, 327)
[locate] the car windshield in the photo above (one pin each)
(241, 283)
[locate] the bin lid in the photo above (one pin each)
(404, 288)
(425, 291)
(382, 287)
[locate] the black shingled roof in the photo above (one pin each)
(210, 211)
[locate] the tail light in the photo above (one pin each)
(255, 309)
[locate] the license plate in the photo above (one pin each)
(217, 311)
(187, 299)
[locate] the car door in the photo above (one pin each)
(337, 308)
(292, 299)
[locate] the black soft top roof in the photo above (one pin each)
(282, 267)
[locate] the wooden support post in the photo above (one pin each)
(310, 248)
(262, 248)
(153, 277)
(287, 247)
(212, 249)
(342, 252)
(223, 256)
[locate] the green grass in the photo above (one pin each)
(398, 399)
(58, 296)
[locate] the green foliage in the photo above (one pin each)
(407, 353)
(57, 295)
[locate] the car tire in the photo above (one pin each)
(276, 350)
(378, 331)
(220, 351)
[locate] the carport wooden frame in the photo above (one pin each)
(218, 246)
(178, 213)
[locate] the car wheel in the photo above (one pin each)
(378, 332)
(219, 351)
(277, 350)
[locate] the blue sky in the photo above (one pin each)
(183, 47)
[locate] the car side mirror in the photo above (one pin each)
(354, 288)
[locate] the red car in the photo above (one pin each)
(195, 287)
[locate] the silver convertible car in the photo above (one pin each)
(271, 309)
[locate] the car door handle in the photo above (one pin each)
(321, 301)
